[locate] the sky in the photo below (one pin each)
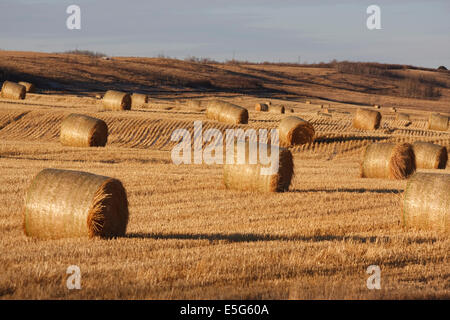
(412, 32)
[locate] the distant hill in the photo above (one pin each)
(363, 83)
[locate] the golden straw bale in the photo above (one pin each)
(79, 130)
(295, 131)
(249, 176)
(66, 204)
(276, 109)
(213, 109)
(234, 115)
(194, 104)
(393, 109)
(261, 107)
(116, 100)
(367, 119)
(269, 103)
(437, 122)
(429, 155)
(308, 102)
(292, 111)
(138, 100)
(388, 160)
(29, 87)
(323, 114)
(226, 112)
(426, 202)
(12, 90)
(376, 106)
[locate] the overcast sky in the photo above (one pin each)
(413, 32)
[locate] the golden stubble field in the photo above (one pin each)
(190, 238)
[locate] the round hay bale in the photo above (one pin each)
(376, 106)
(12, 90)
(269, 103)
(308, 102)
(98, 96)
(213, 109)
(429, 155)
(426, 201)
(66, 204)
(393, 109)
(138, 100)
(226, 112)
(402, 117)
(78, 130)
(194, 104)
(276, 109)
(437, 122)
(248, 176)
(295, 131)
(29, 87)
(292, 111)
(116, 100)
(388, 160)
(367, 119)
(261, 107)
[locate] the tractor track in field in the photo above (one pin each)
(11, 117)
(333, 136)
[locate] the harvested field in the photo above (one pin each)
(189, 237)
